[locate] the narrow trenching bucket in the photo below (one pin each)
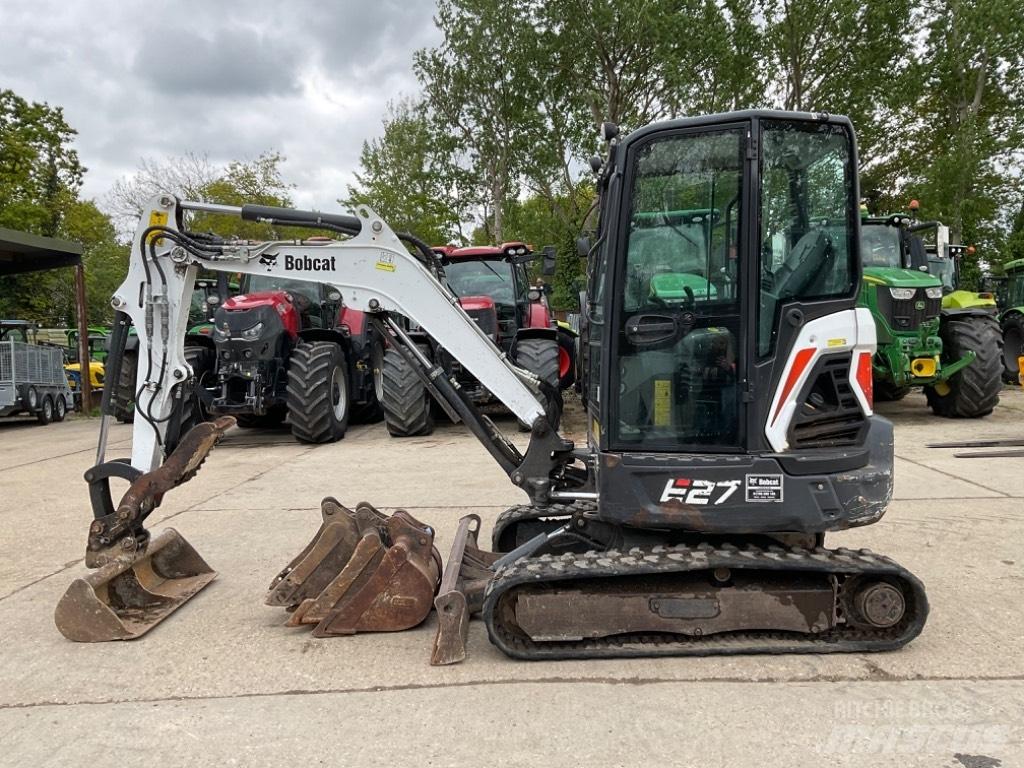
(461, 593)
(364, 571)
(127, 597)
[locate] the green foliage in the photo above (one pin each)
(257, 181)
(39, 171)
(409, 177)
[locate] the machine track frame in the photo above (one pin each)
(529, 573)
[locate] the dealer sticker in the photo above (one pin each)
(764, 488)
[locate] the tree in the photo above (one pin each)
(185, 176)
(409, 176)
(841, 57)
(194, 177)
(474, 83)
(39, 170)
(964, 140)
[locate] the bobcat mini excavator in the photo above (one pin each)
(728, 389)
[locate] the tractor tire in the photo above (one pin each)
(566, 360)
(319, 400)
(372, 411)
(406, 401)
(45, 412)
(192, 408)
(1013, 347)
(972, 392)
(123, 396)
(540, 357)
(886, 391)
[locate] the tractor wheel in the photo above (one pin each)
(318, 392)
(540, 357)
(1013, 347)
(566, 359)
(372, 411)
(973, 391)
(123, 398)
(405, 400)
(60, 408)
(45, 413)
(192, 412)
(886, 391)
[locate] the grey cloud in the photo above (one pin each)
(311, 80)
(236, 63)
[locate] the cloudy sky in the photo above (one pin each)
(310, 79)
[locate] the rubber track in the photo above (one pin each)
(508, 519)
(406, 402)
(548, 569)
(309, 392)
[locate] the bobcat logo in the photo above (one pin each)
(268, 259)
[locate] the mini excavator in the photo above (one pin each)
(726, 375)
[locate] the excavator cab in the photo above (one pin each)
(725, 350)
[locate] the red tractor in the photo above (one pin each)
(492, 286)
(291, 348)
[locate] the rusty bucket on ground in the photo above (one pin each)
(139, 581)
(363, 571)
(126, 598)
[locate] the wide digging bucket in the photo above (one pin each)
(127, 597)
(362, 572)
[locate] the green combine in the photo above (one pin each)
(927, 337)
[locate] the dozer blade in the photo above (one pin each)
(466, 574)
(362, 572)
(138, 581)
(126, 598)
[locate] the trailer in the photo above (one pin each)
(32, 377)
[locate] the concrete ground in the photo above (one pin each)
(224, 682)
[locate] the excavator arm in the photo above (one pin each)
(373, 271)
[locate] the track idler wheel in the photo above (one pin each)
(880, 604)
(364, 571)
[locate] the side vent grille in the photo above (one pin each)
(829, 415)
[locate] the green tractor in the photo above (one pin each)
(969, 326)
(1011, 318)
(922, 339)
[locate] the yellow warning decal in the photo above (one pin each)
(662, 402)
(837, 342)
(595, 428)
(385, 261)
(157, 219)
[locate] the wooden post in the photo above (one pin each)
(83, 338)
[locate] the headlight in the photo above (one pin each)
(933, 293)
(902, 294)
(251, 334)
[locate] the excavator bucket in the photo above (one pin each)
(139, 582)
(461, 594)
(125, 599)
(364, 571)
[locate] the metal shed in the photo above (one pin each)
(21, 252)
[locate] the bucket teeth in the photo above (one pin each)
(364, 571)
(129, 596)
